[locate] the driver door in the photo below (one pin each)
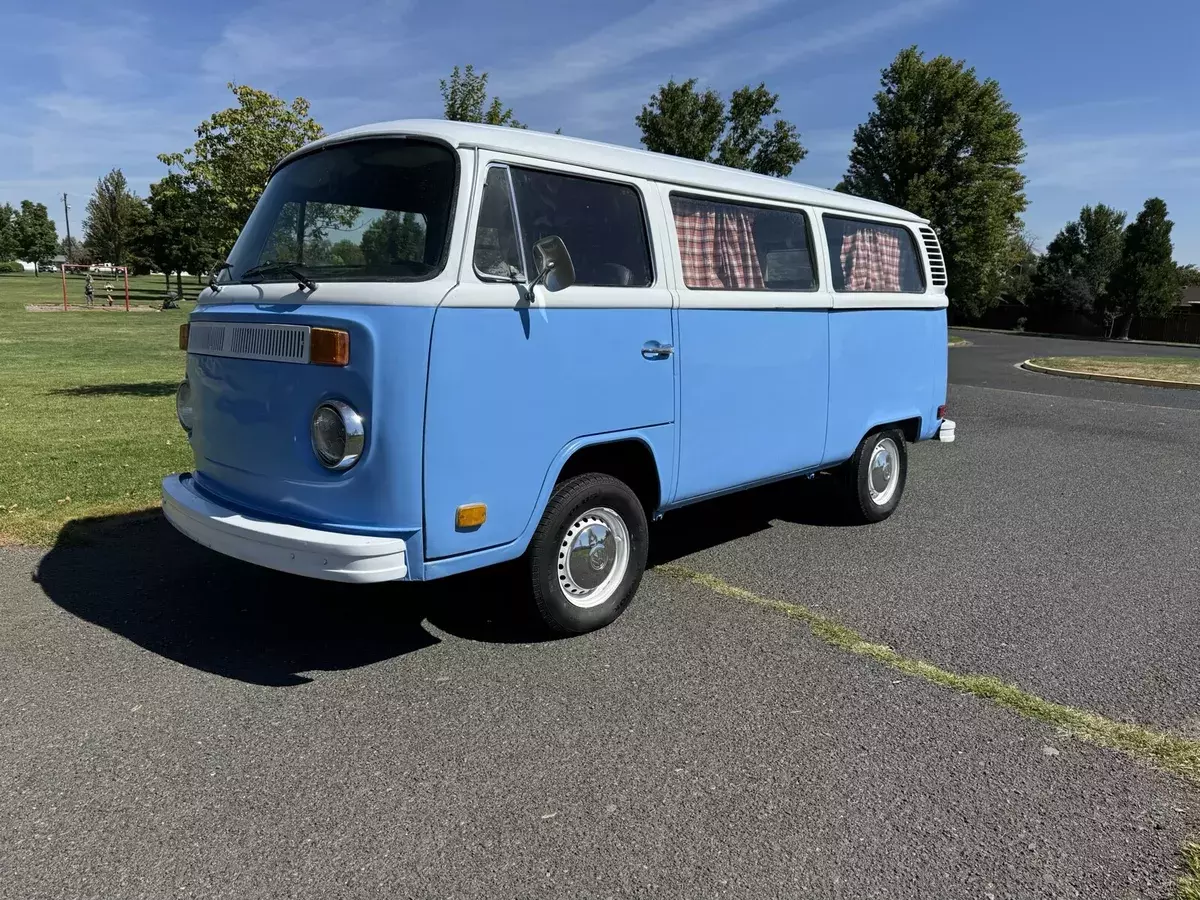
(516, 376)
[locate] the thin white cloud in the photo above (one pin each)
(1056, 114)
(272, 42)
(661, 27)
(1095, 163)
(811, 36)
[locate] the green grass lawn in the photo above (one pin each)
(87, 406)
(1159, 368)
(957, 341)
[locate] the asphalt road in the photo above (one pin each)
(173, 723)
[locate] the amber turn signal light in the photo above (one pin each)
(329, 347)
(470, 515)
(184, 329)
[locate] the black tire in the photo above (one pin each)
(862, 507)
(570, 501)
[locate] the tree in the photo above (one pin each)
(174, 237)
(1103, 233)
(8, 233)
(1146, 280)
(946, 145)
(346, 253)
(235, 150)
(37, 237)
(1075, 274)
(1022, 268)
(464, 97)
(1189, 275)
(71, 249)
(681, 121)
(393, 236)
(115, 215)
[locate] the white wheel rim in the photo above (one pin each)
(593, 557)
(883, 471)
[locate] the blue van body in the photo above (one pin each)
(481, 391)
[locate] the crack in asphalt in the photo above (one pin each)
(1167, 752)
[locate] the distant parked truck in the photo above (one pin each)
(103, 269)
(540, 345)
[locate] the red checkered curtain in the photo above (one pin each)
(870, 259)
(736, 253)
(696, 228)
(716, 246)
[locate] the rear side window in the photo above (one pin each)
(600, 222)
(873, 257)
(739, 247)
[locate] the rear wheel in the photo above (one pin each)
(875, 475)
(588, 554)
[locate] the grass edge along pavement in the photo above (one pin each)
(1094, 368)
(1168, 753)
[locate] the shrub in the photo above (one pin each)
(11, 268)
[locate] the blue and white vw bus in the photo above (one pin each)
(438, 346)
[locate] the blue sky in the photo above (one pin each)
(1108, 91)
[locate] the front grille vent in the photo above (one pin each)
(272, 343)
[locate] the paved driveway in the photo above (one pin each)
(176, 724)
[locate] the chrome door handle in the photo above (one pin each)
(655, 350)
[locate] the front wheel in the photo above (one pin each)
(875, 475)
(588, 554)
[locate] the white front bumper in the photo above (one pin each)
(329, 555)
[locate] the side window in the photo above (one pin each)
(873, 257)
(497, 244)
(600, 222)
(738, 247)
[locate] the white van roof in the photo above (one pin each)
(616, 160)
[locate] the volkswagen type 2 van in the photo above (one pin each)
(438, 346)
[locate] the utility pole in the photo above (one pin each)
(67, 216)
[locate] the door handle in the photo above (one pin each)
(655, 350)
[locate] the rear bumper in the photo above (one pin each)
(945, 432)
(329, 555)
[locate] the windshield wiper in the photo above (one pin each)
(217, 269)
(281, 268)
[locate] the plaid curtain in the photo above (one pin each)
(870, 259)
(716, 246)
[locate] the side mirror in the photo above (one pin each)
(554, 265)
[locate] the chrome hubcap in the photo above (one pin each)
(593, 557)
(883, 471)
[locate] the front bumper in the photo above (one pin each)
(329, 555)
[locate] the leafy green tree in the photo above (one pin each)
(947, 146)
(346, 253)
(394, 236)
(681, 121)
(71, 249)
(174, 238)
(465, 98)
(8, 233)
(1189, 275)
(1146, 280)
(37, 237)
(114, 216)
(1074, 275)
(1103, 233)
(1022, 267)
(234, 153)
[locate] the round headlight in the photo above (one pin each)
(337, 434)
(183, 405)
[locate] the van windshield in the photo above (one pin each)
(371, 210)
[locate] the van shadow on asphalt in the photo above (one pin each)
(137, 577)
